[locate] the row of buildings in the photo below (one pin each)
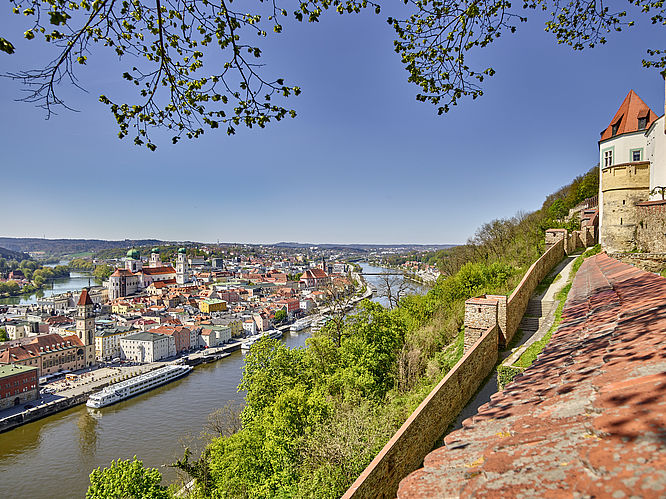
(155, 315)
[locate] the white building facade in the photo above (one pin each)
(147, 347)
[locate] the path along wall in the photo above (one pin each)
(405, 452)
(490, 321)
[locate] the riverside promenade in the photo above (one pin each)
(587, 418)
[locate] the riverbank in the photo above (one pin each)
(68, 394)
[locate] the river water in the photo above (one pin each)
(75, 282)
(52, 457)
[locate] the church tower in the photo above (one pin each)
(85, 325)
(155, 260)
(182, 268)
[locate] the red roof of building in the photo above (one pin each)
(84, 298)
(626, 118)
(158, 270)
(121, 272)
(586, 419)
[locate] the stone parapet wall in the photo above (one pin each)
(518, 300)
(404, 453)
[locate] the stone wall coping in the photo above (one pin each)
(528, 274)
(482, 300)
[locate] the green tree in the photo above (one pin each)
(3, 334)
(103, 271)
(167, 45)
(126, 479)
(280, 316)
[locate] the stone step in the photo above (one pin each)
(530, 323)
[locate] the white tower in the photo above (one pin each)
(155, 258)
(182, 268)
(133, 261)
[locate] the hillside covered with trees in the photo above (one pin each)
(315, 417)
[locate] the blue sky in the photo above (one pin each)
(362, 162)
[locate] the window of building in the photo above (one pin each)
(636, 155)
(642, 123)
(608, 158)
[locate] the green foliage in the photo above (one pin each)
(3, 334)
(103, 271)
(126, 479)
(280, 316)
(505, 375)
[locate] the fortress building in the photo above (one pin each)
(632, 159)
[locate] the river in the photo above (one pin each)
(52, 457)
(75, 282)
(413, 287)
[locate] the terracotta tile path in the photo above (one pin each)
(587, 419)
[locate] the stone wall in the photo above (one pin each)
(623, 187)
(417, 437)
(650, 262)
(651, 229)
(41, 411)
(518, 300)
(480, 315)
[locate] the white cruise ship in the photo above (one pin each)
(144, 382)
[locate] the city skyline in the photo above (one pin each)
(362, 163)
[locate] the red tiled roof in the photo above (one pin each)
(121, 272)
(84, 298)
(627, 116)
(652, 203)
(158, 270)
(587, 419)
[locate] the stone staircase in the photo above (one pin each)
(537, 312)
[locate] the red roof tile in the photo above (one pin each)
(84, 298)
(627, 116)
(587, 419)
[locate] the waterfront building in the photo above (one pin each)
(50, 353)
(213, 336)
(632, 158)
(249, 326)
(147, 347)
(235, 323)
(107, 341)
(85, 325)
(181, 336)
(18, 385)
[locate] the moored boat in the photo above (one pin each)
(142, 383)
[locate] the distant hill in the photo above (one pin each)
(366, 247)
(8, 254)
(69, 246)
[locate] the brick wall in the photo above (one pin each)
(416, 438)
